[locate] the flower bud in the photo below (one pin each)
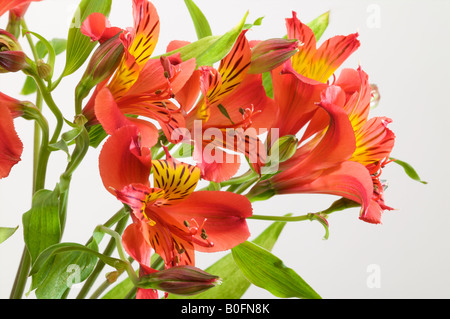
(269, 54)
(180, 280)
(12, 59)
(102, 65)
(282, 149)
(44, 70)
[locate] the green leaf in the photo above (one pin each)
(319, 24)
(210, 49)
(29, 87)
(66, 139)
(184, 150)
(70, 266)
(201, 24)
(409, 170)
(267, 271)
(6, 232)
(234, 283)
(80, 46)
(257, 22)
(71, 247)
(96, 135)
(41, 224)
(267, 83)
(58, 45)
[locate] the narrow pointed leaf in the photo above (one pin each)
(29, 87)
(409, 170)
(210, 49)
(267, 271)
(234, 283)
(6, 232)
(319, 24)
(80, 46)
(201, 24)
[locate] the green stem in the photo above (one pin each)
(100, 264)
(243, 187)
(38, 184)
(281, 218)
(30, 41)
(52, 106)
(37, 138)
(128, 268)
(336, 206)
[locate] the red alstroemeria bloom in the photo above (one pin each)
(172, 218)
(301, 90)
(233, 102)
(374, 140)
(140, 86)
(321, 165)
(310, 69)
(11, 146)
(20, 6)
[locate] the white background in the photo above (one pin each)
(404, 50)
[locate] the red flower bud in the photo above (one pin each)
(12, 59)
(180, 280)
(268, 54)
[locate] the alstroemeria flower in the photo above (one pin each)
(19, 6)
(11, 146)
(172, 218)
(298, 95)
(321, 164)
(318, 63)
(140, 86)
(233, 102)
(374, 140)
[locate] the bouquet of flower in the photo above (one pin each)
(189, 139)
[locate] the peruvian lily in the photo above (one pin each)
(170, 217)
(234, 108)
(374, 140)
(19, 6)
(11, 146)
(321, 164)
(140, 86)
(300, 81)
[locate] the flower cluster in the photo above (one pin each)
(282, 107)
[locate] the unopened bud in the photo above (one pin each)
(12, 58)
(44, 70)
(283, 148)
(269, 54)
(180, 280)
(102, 65)
(112, 276)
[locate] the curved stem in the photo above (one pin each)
(100, 265)
(52, 106)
